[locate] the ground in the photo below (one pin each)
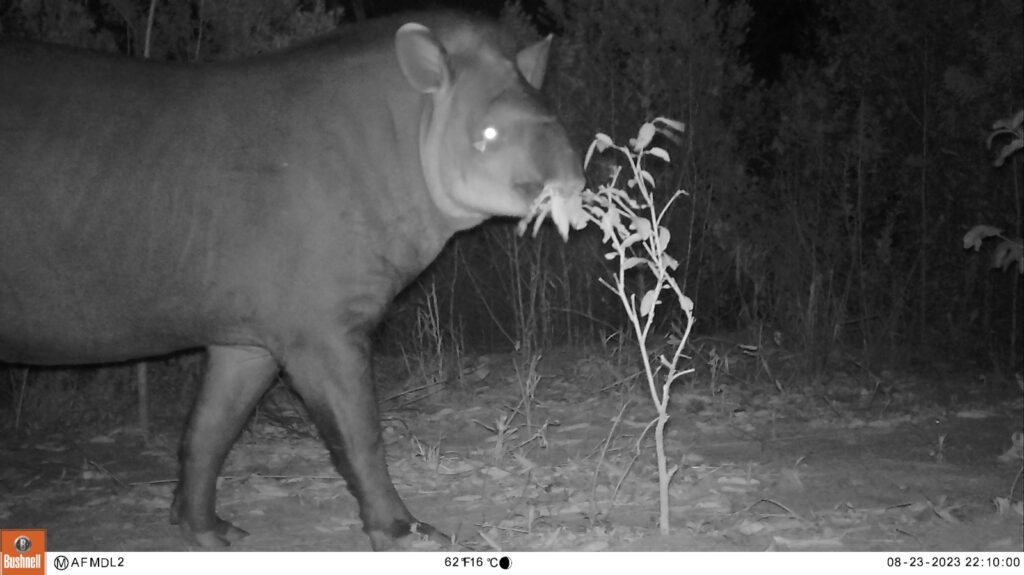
(851, 461)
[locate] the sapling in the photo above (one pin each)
(632, 227)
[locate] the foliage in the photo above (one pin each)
(868, 169)
(631, 223)
(1009, 251)
(195, 30)
(1013, 128)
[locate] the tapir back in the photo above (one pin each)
(146, 208)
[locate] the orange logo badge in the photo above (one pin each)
(22, 551)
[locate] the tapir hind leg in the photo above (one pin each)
(334, 380)
(235, 379)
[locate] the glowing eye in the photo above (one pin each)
(489, 134)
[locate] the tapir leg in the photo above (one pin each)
(337, 387)
(235, 379)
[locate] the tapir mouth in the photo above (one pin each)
(520, 196)
(529, 190)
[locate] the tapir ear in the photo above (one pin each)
(422, 58)
(533, 61)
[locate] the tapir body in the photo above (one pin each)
(267, 210)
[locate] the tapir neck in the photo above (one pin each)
(436, 181)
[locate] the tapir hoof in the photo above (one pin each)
(409, 537)
(222, 535)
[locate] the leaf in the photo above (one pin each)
(647, 303)
(643, 137)
(630, 240)
(1007, 151)
(669, 262)
(590, 153)
(664, 236)
(540, 220)
(538, 209)
(609, 221)
(1011, 126)
(642, 227)
(521, 226)
(659, 153)
(608, 196)
(673, 124)
(611, 255)
(1007, 253)
(603, 142)
(559, 215)
(974, 237)
(686, 304)
(632, 262)
(579, 218)
(647, 177)
(1011, 123)
(567, 210)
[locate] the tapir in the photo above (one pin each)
(266, 210)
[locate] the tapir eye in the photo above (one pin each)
(487, 135)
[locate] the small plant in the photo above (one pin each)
(503, 432)
(429, 336)
(437, 349)
(528, 383)
(632, 226)
(717, 365)
(429, 452)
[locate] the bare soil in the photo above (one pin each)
(853, 461)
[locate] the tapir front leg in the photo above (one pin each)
(334, 379)
(235, 379)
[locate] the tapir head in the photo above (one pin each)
(488, 144)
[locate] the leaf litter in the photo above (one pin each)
(759, 469)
